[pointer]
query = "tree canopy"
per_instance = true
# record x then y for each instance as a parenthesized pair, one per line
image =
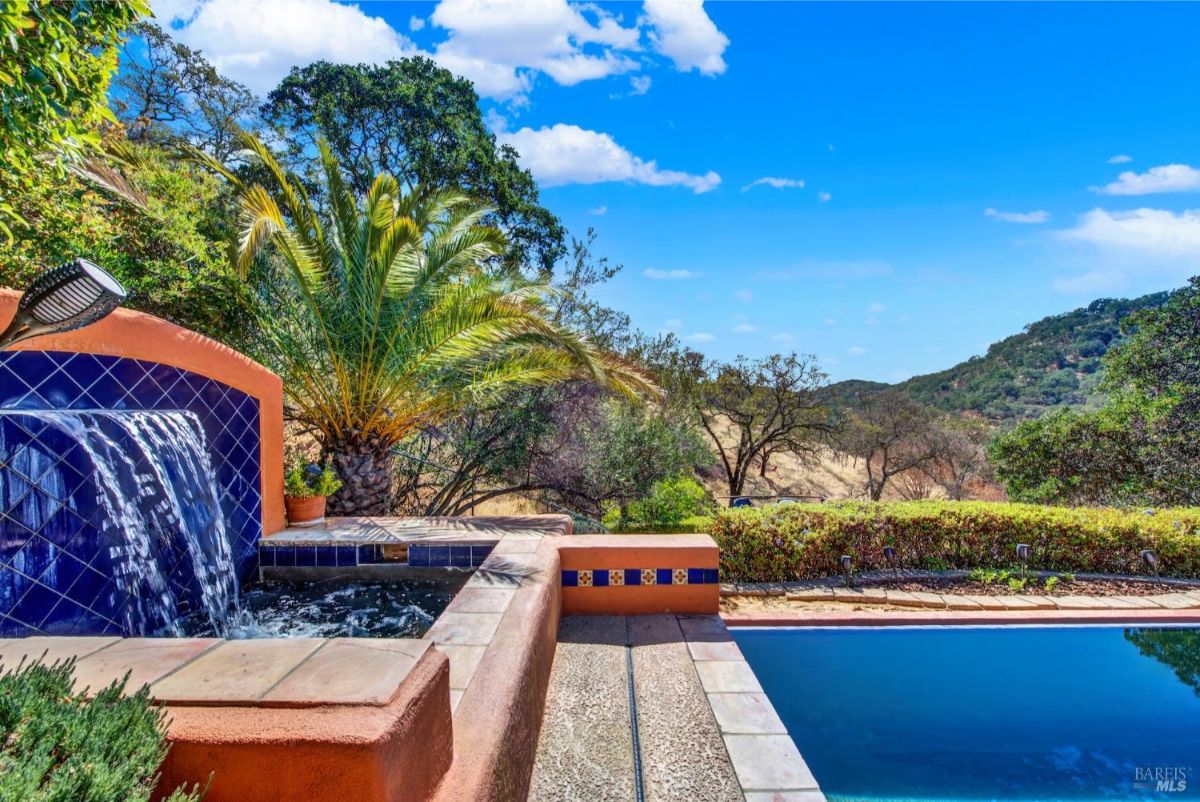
(415, 120)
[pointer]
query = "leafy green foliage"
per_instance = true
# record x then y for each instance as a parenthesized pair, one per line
(56, 60)
(304, 479)
(803, 541)
(1144, 446)
(167, 246)
(1175, 648)
(1053, 363)
(672, 503)
(58, 746)
(391, 319)
(420, 123)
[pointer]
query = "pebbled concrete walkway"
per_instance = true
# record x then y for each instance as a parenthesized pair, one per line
(586, 750)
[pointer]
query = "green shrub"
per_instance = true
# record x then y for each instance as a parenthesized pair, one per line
(58, 746)
(805, 541)
(673, 505)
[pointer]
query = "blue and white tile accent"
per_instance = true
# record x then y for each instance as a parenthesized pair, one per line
(610, 577)
(424, 555)
(60, 580)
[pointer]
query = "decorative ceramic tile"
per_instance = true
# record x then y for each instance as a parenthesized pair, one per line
(623, 577)
(60, 579)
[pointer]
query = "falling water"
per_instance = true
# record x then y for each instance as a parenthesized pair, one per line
(156, 486)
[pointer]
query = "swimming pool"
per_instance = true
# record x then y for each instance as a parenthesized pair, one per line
(1006, 713)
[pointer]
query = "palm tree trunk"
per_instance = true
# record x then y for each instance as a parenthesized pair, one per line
(368, 472)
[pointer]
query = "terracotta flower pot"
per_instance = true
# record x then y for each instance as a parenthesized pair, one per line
(305, 511)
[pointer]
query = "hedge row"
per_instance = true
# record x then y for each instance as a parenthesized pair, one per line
(805, 541)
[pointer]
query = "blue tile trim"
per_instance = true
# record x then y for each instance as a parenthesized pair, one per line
(633, 577)
(48, 579)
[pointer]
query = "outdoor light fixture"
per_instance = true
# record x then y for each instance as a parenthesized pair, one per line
(889, 554)
(1023, 555)
(846, 568)
(1151, 560)
(63, 298)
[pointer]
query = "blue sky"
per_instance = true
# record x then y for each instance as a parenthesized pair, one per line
(940, 174)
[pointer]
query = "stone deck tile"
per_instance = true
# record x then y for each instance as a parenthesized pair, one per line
(1079, 603)
(932, 600)
(708, 628)
(50, 649)
(1038, 602)
(683, 755)
(721, 676)
(769, 762)
(903, 598)
(513, 545)
(364, 671)
(1016, 603)
(746, 714)
(464, 661)
(812, 594)
(475, 629)
(714, 650)
(785, 796)
(584, 750)
(1140, 602)
(987, 602)
(956, 602)
(481, 600)
(236, 671)
(1175, 601)
(146, 660)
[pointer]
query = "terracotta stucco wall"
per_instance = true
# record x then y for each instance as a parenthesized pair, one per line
(134, 335)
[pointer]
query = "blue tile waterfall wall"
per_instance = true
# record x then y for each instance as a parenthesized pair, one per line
(60, 580)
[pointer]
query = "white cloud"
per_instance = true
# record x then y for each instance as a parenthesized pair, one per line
(1120, 158)
(824, 197)
(745, 328)
(1155, 232)
(1039, 216)
(783, 337)
(599, 211)
(669, 275)
(416, 23)
(700, 337)
(776, 183)
(501, 44)
(745, 296)
(639, 84)
(257, 43)
(568, 154)
(683, 32)
(856, 350)
(1126, 244)
(674, 324)
(1164, 178)
(875, 307)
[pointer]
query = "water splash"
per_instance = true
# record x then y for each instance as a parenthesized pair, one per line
(156, 486)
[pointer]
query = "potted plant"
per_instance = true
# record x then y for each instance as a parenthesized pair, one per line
(305, 488)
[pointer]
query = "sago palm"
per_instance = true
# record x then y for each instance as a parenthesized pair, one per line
(389, 313)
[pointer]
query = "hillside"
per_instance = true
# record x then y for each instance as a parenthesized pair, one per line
(1054, 362)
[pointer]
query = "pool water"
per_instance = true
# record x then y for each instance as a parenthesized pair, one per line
(337, 608)
(1008, 713)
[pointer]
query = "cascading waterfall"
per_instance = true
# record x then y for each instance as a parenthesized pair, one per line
(157, 489)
